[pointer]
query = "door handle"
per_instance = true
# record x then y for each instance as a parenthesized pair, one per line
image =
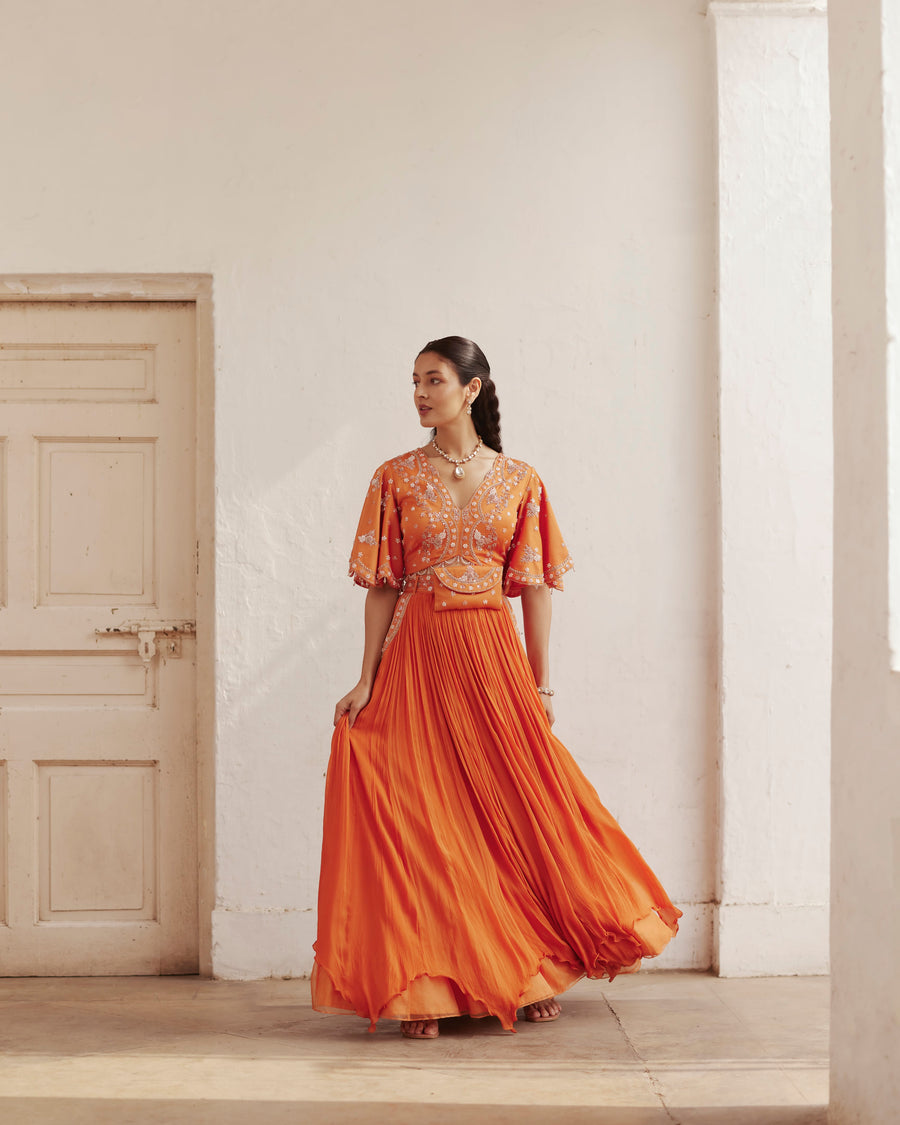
(147, 633)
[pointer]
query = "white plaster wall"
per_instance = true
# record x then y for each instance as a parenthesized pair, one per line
(776, 487)
(359, 178)
(865, 1038)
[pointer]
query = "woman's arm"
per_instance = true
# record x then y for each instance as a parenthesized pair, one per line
(536, 613)
(380, 602)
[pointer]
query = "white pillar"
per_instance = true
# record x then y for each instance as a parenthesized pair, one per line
(775, 487)
(865, 926)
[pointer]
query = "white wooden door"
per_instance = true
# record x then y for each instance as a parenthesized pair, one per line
(98, 850)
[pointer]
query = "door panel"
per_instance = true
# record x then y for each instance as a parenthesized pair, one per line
(75, 679)
(97, 841)
(76, 372)
(97, 723)
(96, 526)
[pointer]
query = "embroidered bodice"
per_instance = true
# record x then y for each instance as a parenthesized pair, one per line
(505, 538)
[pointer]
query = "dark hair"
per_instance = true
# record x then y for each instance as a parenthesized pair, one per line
(469, 361)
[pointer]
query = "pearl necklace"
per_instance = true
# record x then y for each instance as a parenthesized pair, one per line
(458, 472)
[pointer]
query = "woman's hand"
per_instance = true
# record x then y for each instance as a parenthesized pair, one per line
(353, 702)
(536, 614)
(380, 604)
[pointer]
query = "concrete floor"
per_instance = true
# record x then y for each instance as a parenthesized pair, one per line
(651, 1049)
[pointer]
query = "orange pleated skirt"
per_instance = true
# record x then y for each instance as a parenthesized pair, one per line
(468, 866)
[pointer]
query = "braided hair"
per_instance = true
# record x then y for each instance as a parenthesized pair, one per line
(469, 361)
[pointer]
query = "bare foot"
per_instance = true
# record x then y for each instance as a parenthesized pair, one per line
(419, 1029)
(544, 1011)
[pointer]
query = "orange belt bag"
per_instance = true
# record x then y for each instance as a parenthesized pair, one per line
(464, 586)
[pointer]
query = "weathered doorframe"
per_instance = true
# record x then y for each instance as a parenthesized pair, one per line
(195, 289)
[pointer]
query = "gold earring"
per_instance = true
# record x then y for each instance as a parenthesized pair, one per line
(469, 409)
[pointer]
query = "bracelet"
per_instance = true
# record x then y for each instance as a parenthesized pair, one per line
(546, 691)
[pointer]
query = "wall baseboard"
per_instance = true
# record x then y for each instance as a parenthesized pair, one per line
(762, 940)
(254, 945)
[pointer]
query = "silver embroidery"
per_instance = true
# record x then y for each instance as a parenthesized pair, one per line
(484, 540)
(435, 541)
(397, 619)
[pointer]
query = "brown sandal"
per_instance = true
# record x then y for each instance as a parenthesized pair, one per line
(532, 1016)
(407, 1032)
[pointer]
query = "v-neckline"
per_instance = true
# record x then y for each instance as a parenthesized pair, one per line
(447, 491)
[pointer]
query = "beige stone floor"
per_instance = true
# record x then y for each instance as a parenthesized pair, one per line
(653, 1049)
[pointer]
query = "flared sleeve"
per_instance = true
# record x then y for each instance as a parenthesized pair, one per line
(377, 555)
(538, 554)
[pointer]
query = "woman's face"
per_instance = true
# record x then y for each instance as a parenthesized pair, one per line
(438, 394)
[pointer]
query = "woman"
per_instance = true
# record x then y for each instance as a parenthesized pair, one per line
(468, 866)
